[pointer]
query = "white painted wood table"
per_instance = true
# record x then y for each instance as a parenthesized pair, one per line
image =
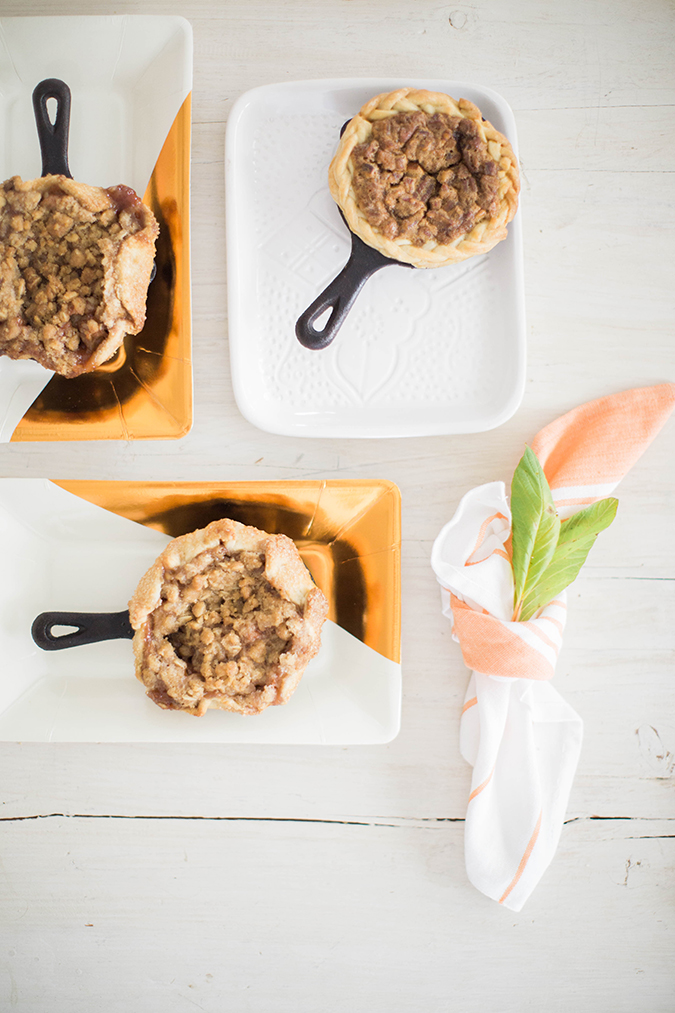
(268, 879)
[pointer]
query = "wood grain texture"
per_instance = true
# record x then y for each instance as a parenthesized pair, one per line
(297, 879)
(285, 916)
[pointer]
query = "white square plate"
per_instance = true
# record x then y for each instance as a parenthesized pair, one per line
(422, 352)
(62, 553)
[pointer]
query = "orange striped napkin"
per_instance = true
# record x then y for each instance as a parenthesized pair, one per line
(517, 732)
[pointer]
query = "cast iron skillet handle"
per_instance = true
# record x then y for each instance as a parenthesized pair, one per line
(339, 296)
(53, 136)
(91, 628)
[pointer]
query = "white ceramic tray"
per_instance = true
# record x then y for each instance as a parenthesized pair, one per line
(423, 352)
(129, 77)
(62, 553)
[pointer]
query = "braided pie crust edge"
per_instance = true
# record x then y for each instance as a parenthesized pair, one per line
(482, 237)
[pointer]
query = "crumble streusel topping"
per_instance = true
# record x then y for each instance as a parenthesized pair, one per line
(425, 177)
(59, 297)
(220, 629)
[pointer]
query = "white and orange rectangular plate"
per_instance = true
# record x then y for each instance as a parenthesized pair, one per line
(130, 79)
(82, 546)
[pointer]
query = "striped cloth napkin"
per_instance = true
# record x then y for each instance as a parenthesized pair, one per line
(517, 732)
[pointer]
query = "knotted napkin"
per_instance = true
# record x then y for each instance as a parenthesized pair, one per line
(517, 732)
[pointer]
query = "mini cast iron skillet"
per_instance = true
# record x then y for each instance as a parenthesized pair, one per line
(340, 294)
(91, 627)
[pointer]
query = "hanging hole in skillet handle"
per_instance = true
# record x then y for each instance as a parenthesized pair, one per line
(53, 134)
(84, 627)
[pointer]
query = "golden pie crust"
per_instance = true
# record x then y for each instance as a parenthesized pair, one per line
(75, 265)
(413, 238)
(227, 617)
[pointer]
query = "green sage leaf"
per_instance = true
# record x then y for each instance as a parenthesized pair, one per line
(535, 526)
(576, 539)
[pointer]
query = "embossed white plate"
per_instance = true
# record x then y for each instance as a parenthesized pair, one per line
(423, 352)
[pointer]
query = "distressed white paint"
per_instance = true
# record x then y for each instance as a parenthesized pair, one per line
(372, 910)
